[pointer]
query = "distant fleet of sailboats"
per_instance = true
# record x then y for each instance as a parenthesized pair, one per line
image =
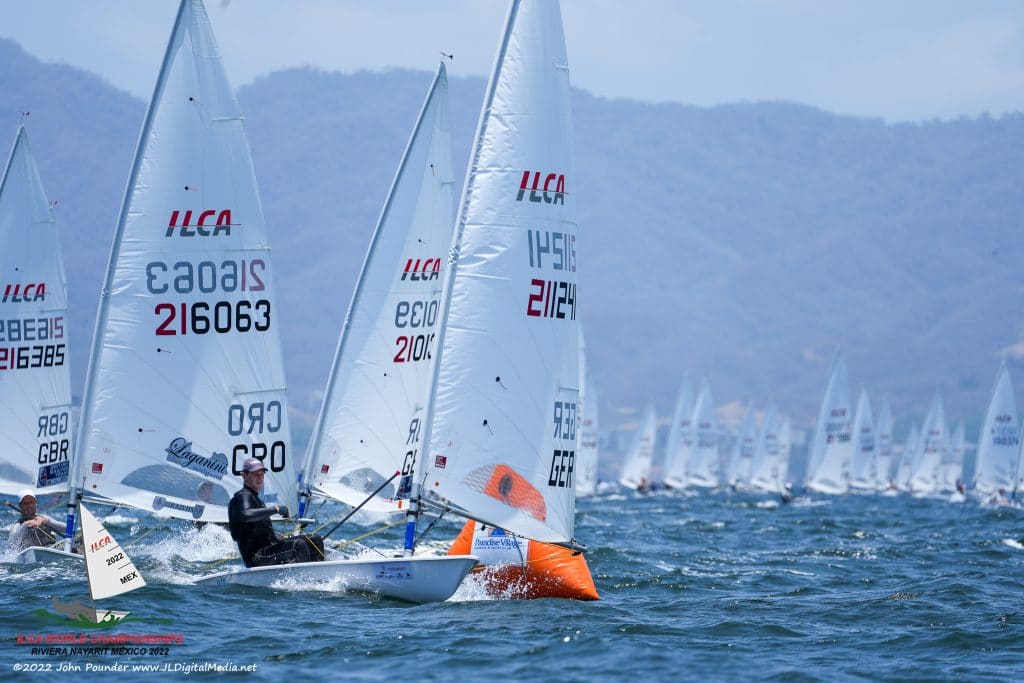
(851, 450)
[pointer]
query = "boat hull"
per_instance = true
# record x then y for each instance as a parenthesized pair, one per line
(45, 555)
(413, 579)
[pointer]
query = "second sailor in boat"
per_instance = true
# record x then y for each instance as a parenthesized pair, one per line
(249, 520)
(33, 529)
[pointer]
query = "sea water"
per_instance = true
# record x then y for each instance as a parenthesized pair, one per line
(694, 586)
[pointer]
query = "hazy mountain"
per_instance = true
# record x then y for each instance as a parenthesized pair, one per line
(744, 242)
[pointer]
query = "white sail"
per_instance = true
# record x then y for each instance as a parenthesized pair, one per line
(636, 468)
(679, 445)
(999, 440)
(372, 419)
(185, 379)
(764, 472)
(111, 572)
(35, 387)
(829, 462)
(934, 440)
(862, 474)
(502, 435)
(586, 434)
(784, 446)
(949, 475)
(704, 465)
(905, 467)
(882, 463)
(743, 452)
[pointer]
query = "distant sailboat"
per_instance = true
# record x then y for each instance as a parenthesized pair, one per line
(743, 452)
(829, 461)
(766, 473)
(705, 470)
(934, 442)
(908, 455)
(636, 468)
(950, 475)
(999, 441)
(862, 473)
(679, 445)
(587, 433)
(881, 468)
(35, 386)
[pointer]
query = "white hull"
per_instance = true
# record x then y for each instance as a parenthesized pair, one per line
(39, 554)
(415, 579)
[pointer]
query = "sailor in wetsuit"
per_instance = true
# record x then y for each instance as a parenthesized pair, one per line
(33, 529)
(249, 520)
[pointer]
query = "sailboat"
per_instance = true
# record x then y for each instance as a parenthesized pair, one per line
(862, 475)
(934, 442)
(636, 468)
(35, 385)
(679, 445)
(905, 467)
(109, 570)
(765, 473)
(829, 461)
(950, 474)
(186, 377)
(587, 432)
(704, 465)
(999, 442)
(882, 463)
(742, 456)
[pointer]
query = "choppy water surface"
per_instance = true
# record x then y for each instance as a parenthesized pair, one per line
(709, 586)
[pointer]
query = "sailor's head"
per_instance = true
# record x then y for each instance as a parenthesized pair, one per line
(27, 502)
(252, 473)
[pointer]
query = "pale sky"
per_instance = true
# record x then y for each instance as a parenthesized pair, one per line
(901, 60)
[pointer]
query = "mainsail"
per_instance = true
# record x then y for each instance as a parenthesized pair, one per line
(502, 434)
(832, 448)
(185, 378)
(999, 441)
(372, 419)
(35, 387)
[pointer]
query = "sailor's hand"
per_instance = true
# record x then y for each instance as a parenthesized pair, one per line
(282, 510)
(35, 522)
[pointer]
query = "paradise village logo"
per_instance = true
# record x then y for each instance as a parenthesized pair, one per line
(180, 452)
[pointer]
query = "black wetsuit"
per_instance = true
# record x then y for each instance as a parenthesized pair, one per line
(249, 520)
